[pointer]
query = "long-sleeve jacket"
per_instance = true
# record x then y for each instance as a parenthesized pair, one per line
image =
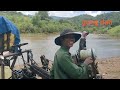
(64, 68)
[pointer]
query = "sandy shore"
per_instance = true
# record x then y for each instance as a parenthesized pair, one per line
(109, 67)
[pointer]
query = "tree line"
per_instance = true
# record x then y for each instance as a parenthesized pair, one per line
(41, 22)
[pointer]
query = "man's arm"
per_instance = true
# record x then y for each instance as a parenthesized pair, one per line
(82, 44)
(71, 69)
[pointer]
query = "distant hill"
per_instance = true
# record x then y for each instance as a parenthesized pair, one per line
(42, 22)
(6, 13)
(113, 16)
(78, 19)
(58, 18)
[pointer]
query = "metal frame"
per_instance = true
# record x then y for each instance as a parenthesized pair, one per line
(34, 67)
(14, 58)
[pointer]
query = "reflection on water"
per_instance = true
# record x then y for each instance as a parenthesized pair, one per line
(40, 45)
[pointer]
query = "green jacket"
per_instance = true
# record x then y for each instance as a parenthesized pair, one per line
(64, 68)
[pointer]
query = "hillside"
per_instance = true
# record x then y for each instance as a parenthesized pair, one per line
(114, 16)
(42, 23)
(57, 18)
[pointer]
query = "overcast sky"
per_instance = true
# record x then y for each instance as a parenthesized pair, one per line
(68, 13)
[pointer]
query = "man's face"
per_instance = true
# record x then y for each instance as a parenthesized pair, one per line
(84, 34)
(68, 40)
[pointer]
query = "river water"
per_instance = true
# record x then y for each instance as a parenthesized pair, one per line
(44, 45)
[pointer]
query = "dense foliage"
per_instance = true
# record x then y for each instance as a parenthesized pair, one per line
(41, 22)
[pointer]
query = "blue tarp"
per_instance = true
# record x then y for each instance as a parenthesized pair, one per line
(7, 26)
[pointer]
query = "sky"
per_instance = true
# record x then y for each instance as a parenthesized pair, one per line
(68, 13)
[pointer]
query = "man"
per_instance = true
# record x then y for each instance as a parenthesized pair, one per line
(82, 43)
(63, 66)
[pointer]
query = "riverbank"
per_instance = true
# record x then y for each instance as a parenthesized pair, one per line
(109, 67)
(44, 35)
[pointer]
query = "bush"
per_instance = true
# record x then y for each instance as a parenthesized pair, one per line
(115, 31)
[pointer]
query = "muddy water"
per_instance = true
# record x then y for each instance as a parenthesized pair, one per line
(44, 45)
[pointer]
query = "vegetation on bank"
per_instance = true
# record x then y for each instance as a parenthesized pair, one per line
(41, 22)
(115, 31)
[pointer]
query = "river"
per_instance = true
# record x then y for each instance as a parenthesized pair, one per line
(44, 45)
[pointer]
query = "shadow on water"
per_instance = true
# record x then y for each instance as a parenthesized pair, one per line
(44, 44)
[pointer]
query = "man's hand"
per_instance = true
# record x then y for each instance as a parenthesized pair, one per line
(88, 61)
(84, 48)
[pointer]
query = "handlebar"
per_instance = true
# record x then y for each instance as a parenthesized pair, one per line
(19, 45)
